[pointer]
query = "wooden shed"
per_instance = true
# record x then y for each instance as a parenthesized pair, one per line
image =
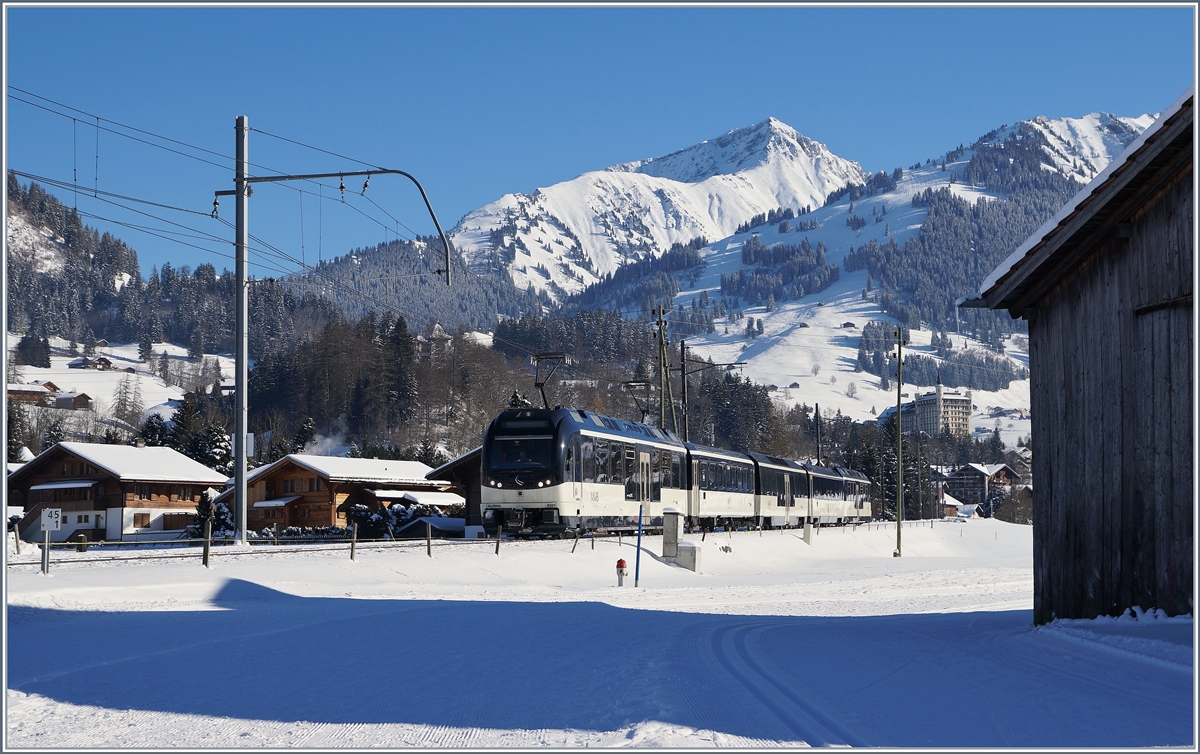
(1106, 286)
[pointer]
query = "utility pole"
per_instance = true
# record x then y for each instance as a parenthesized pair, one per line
(664, 378)
(242, 191)
(817, 416)
(683, 375)
(241, 368)
(899, 436)
(683, 379)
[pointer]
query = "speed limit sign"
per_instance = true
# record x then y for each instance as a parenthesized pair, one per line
(51, 519)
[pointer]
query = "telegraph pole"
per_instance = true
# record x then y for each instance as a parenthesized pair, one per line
(241, 369)
(242, 190)
(683, 379)
(664, 378)
(899, 436)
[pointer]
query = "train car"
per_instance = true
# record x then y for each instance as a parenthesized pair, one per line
(858, 495)
(782, 492)
(546, 471)
(720, 487)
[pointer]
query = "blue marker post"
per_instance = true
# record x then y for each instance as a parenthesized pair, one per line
(637, 561)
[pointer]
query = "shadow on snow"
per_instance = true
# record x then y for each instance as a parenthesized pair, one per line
(959, 679)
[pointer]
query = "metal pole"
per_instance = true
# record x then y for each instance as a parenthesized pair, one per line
(683, 379)
(637, 559)
(899, 436)
(207, 540)
(353, 538)
(241, 370)
(817, 415)
(46, 552)
(428, 540)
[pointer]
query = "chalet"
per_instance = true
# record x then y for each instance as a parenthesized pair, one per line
(50, 386)
(102, 343)
(465, 475)
(975, 482)
(112, 492)
(29, 394)
(1106, 287)
(101, 362)
(73, 401)
(849, 325)
(309, 490)
(80, 362)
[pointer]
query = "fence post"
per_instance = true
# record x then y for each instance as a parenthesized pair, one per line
(82, 546)
(275, 533)
(353, 538)
(428, 539)
(499, 528)
(17, 536)
(576, 542)
(207, 540)
(46, 553)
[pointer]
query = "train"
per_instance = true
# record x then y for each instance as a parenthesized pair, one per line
(553, 472)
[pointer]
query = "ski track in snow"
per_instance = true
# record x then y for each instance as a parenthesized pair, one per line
(775, 643)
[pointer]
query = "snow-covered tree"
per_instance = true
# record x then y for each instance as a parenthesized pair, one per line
(155, 432)
(211, 446)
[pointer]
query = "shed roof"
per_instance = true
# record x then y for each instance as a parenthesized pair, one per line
(1063, 240)
(127, 463)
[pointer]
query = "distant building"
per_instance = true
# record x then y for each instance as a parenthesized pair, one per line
(73, 401)
(978, 483)
(944, 410)
(1106, 287)
(29, 394)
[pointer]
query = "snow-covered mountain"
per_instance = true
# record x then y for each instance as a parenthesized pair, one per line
(1079, 147)
(562, 238)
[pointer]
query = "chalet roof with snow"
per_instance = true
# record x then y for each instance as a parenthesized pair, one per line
(366, 470)
(1053, 249)
(129, 464)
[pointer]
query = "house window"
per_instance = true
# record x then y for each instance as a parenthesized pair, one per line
(304, 513)
(141, 520)
(289, 485)
(141, 492)
(185, 493)
(314, 483)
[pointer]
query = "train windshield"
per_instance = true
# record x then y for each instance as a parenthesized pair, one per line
(515, 453)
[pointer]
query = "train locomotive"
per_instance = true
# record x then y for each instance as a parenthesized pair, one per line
(546, 472)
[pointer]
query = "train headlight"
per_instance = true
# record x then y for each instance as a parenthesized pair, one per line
(541, 484)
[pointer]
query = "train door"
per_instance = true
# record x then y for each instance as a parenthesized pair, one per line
(575, 469)
(644, 481)
(787, 498)
(693, 482)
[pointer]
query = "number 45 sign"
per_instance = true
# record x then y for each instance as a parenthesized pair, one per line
(51, 519)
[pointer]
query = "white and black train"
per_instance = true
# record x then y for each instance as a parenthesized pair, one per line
(547, 471)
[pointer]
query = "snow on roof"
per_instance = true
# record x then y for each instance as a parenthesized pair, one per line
(421, 497)
(143, 464)
(65, 485)
(278, 502)
(14, 466)
(340, 469)
(1048, 227)
(27, 388)
(949, 499)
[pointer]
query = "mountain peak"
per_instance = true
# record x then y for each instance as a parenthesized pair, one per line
(734, 151)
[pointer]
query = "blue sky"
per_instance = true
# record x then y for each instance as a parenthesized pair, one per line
(481, 102)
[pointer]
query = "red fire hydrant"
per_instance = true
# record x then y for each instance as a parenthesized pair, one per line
(621, 573)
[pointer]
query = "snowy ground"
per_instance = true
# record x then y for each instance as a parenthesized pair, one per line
(776, 642)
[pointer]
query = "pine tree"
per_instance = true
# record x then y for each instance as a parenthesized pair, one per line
(305, 435)
(145, 346)
(154, 432)
(54, 434)
(211, 446)
(18, 426)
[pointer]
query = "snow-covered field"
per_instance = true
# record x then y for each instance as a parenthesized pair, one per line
(775, 642)
(100, 385)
